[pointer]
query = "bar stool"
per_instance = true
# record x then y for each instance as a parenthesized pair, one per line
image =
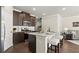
(60, 37)
(54, 42)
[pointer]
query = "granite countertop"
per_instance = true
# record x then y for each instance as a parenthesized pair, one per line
(41, 34)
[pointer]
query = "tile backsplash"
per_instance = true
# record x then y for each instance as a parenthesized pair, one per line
(19, 28)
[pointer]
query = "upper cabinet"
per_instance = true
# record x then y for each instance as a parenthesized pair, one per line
(15, 18)
(33, 20)
(23, 19)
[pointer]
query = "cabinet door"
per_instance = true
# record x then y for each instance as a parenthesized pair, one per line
(33, 20)
(27, 17)
(15, 18)
(23, 17)
(32, 42)
(18, 37)
(20, 21)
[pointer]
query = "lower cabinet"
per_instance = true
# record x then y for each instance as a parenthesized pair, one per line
(32, 43)
(18, 37)
(25, 36)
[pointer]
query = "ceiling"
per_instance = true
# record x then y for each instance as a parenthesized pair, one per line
(50, 10)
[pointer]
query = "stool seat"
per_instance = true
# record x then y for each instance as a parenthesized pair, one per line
(61, 37)
(54, 41)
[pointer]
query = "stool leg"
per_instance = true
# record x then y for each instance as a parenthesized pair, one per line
(51, 47)
(48, 47)
(55, 49)
(58, 47)
(61, 43)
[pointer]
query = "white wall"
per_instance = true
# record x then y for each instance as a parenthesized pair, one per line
(67, 22)
(7, 16)
(49, 22)
(53, 22)
(57, 23)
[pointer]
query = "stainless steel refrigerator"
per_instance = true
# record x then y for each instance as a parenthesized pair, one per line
(2, 32)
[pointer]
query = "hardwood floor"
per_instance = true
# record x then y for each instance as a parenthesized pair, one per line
(67, 47)
(19, 48)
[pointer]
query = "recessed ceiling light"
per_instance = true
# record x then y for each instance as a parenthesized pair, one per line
(63, 9)
(34, 9)
(44, 13)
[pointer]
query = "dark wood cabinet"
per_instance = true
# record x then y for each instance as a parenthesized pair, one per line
(23, 17)
(15, 18)
(25, 36)
(33, 20)
(32, 43)
(20, 20)
(18, 37)
(27, 17)
(20, 17)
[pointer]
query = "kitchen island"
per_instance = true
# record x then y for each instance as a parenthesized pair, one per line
(41, 41)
